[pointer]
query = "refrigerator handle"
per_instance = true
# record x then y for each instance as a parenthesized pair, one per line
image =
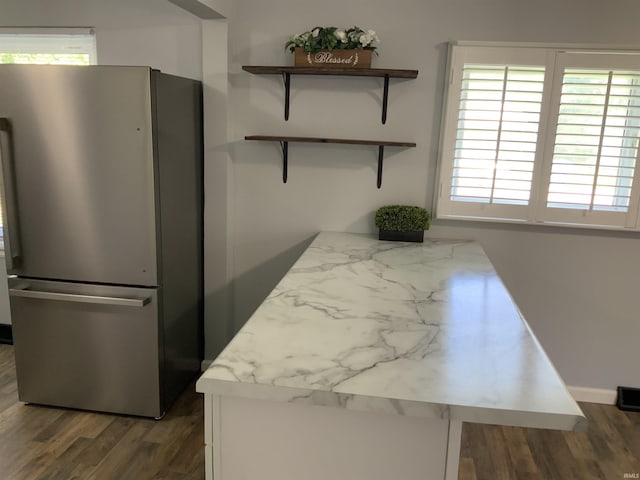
(11, 230)
(22, 291)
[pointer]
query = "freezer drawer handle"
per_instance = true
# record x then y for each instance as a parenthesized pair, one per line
(8, 193)
(71, 297)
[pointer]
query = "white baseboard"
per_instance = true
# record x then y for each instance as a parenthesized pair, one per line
(594, 395)
(205, 364)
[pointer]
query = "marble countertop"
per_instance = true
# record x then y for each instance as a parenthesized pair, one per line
(426, 330)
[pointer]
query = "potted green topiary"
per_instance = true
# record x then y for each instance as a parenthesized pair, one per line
(402, 223)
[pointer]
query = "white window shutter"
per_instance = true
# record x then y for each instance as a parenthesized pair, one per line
(497, 132)
(592, 177)
(491, 133)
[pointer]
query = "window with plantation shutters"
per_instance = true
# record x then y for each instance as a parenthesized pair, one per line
(59, 46)
(543, 135)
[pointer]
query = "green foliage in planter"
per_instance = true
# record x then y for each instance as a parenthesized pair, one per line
(333, 38)
(402, 218)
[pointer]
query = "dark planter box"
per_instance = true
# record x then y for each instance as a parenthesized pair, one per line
(401, 236)
(629, 399)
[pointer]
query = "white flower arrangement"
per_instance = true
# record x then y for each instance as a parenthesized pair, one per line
(332, 38)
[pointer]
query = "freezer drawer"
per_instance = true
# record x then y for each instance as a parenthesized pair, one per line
(87, 346)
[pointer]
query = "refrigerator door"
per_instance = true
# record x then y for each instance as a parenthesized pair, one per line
(86, 346)
(78, 173)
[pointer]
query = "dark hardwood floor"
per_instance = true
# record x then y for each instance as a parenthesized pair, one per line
(38, 443)
(607, 451)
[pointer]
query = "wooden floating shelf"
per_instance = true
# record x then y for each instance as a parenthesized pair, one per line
(271, 138)
(284, 143)
(354, 72)
(286, 73)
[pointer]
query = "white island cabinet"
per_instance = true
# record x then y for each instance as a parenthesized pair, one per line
(365, 360)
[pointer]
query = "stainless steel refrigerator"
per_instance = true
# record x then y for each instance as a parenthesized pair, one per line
(102, 200)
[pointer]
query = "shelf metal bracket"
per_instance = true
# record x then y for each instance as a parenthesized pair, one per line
(286, 78)
(385, 98)
(286, 73)
(284, 145)
(285, 160)
(380, 158)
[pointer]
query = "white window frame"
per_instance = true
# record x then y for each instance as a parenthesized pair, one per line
(50, 40)
(554, 58)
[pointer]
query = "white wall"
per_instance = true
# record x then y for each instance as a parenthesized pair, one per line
(218, 256)
(576, 288)
(208, 9)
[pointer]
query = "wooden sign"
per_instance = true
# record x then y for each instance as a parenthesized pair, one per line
(333, 58)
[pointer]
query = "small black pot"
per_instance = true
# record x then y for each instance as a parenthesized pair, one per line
(417, 236)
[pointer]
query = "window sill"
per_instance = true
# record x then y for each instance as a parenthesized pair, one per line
(555, 225)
